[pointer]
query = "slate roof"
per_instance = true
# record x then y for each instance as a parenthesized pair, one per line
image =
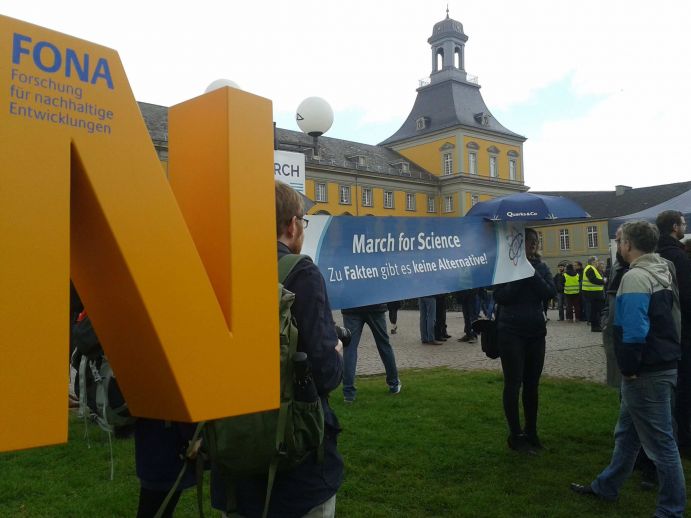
(340, 153)
(156, 119)
(607, 205)
(333, 152)
(447, 104)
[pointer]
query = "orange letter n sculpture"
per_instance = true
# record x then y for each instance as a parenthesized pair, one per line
(185, 307)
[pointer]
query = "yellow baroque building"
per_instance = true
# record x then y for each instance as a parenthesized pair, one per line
(449, 154)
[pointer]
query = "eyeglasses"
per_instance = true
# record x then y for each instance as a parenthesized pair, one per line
(305, 221)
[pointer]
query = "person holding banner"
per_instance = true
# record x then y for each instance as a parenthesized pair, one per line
(521, 331)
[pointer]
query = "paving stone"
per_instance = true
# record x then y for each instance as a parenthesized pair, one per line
(573, 351)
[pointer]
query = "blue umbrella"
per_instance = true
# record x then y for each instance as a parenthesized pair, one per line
(526, 206)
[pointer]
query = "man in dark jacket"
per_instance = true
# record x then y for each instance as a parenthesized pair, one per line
(647, 330)
(672, 225)
(354, 319)
(310, 487)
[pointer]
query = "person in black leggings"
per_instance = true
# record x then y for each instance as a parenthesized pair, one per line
(521, 331)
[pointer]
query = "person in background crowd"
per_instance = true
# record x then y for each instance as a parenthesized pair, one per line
(583, 314)
(428, 312)
(618, 270)
(440, 334)
(603, 271)
(487, 302)
(355, 319)
(559, 281)
(687, 244)
(521, 331)
(393, 308)
(672, 226)
(468, 299)
(592, 287)
(572, 293)
(647, 330)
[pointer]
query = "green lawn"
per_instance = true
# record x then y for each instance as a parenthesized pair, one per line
(437, 449)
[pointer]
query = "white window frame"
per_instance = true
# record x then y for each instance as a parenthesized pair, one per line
(448, 203)
(472, 162)
(431, 204)
(366, 196)
(388, 200)
(321, 193)
(410, 201)
(344, 195)
(512, 169)
(474, 199)
(493, 171)
(593, 238)
(447, 161)
(564, 239)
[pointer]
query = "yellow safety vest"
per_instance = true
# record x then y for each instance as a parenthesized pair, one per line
(571, 286)
(589, 286)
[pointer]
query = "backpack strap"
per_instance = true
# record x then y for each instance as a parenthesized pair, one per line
(286, 265)
(185, 463)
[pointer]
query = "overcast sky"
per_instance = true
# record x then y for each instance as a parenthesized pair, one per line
(600, 88)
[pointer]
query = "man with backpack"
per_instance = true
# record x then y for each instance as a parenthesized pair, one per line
(309, 489)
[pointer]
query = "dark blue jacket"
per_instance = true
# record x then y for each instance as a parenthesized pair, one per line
(297, 491)
(673, 250)
(157, 448)
(521, 309)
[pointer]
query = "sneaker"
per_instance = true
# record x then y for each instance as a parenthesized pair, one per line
(464, 338)
(396, 389)
(433, 342)
(394, 329)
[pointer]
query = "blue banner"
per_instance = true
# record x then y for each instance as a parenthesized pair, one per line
(368, 260)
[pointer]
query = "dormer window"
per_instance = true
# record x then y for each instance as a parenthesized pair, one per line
(357, 160)
(402, 166)
(482, 118)
(422, 123)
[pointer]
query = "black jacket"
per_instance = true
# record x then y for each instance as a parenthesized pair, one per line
(673, 250)
(297, 491)
(521, 302)
(559, 282)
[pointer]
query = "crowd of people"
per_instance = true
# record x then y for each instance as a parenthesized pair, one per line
(641, 303)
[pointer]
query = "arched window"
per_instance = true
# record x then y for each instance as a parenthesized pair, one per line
(439, 61)
(458, 58)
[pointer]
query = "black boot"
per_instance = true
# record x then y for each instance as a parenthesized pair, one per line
(520, 444)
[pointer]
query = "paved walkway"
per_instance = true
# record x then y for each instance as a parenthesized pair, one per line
(573, 351)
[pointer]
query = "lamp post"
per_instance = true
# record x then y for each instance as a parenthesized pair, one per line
(314, 117)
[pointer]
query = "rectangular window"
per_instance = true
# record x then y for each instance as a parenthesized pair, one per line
(564, 242)
(388, 199)
(474, 199)
(540, 242)
(472, 163)
(409, 201)
(448, 164)
(431, 205)
(493, 167)
(592, 237)
(366, 196)
(448, 203)
(512, 169)
(344, 194)
(320, 192)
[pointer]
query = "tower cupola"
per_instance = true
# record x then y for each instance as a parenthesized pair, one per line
(448, 47)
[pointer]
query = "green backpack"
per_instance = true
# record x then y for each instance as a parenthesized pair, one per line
(271, 441)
